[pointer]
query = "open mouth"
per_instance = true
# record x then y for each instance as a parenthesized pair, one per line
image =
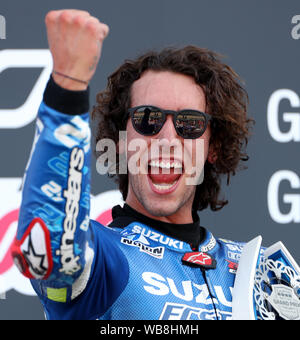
(164, 175)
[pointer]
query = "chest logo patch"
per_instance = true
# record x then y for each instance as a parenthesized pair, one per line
(157, 252)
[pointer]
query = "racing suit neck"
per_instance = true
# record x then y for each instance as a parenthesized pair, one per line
(191, 233)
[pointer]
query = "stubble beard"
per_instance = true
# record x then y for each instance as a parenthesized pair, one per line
(164, 206)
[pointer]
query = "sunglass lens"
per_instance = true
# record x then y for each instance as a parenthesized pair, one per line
(190, 124)
(148, 120)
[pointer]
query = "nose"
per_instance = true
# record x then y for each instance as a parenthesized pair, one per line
(168, 130)
(169, 144)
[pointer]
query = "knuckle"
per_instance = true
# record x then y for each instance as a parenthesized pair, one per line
(66, 17)
(97, 29)
(50, 17)
(105, 30)
(79, 20)
(92, 25)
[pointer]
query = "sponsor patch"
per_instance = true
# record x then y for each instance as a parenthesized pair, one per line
(157, 237)
(200, 259)
(57, 294)
(157, 252)
(233, 256)
(210, 245)
(32, 254)
(233, 266)
(69, 262)
(178, 311)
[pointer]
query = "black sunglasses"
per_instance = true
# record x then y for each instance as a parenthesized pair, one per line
(148, 121)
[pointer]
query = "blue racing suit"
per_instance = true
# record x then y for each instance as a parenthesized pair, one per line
(81, 269)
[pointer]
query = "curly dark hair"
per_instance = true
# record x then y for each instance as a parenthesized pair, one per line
(226, 101)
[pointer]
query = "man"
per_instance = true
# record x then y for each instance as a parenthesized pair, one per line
(154, 261)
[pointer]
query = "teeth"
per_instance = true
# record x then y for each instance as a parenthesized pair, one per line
(163, 186)
(166, 164)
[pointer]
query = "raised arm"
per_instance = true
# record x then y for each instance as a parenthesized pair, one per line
(53, 241)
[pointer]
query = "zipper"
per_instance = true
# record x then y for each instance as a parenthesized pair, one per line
(212, 297)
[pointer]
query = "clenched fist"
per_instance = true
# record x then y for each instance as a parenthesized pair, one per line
(75, 40)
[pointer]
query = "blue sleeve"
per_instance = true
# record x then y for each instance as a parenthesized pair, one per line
(56, 245)
(103, 282)
(55, 200)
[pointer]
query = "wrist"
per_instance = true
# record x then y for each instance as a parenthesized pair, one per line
(73, 102)
(68, 83)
